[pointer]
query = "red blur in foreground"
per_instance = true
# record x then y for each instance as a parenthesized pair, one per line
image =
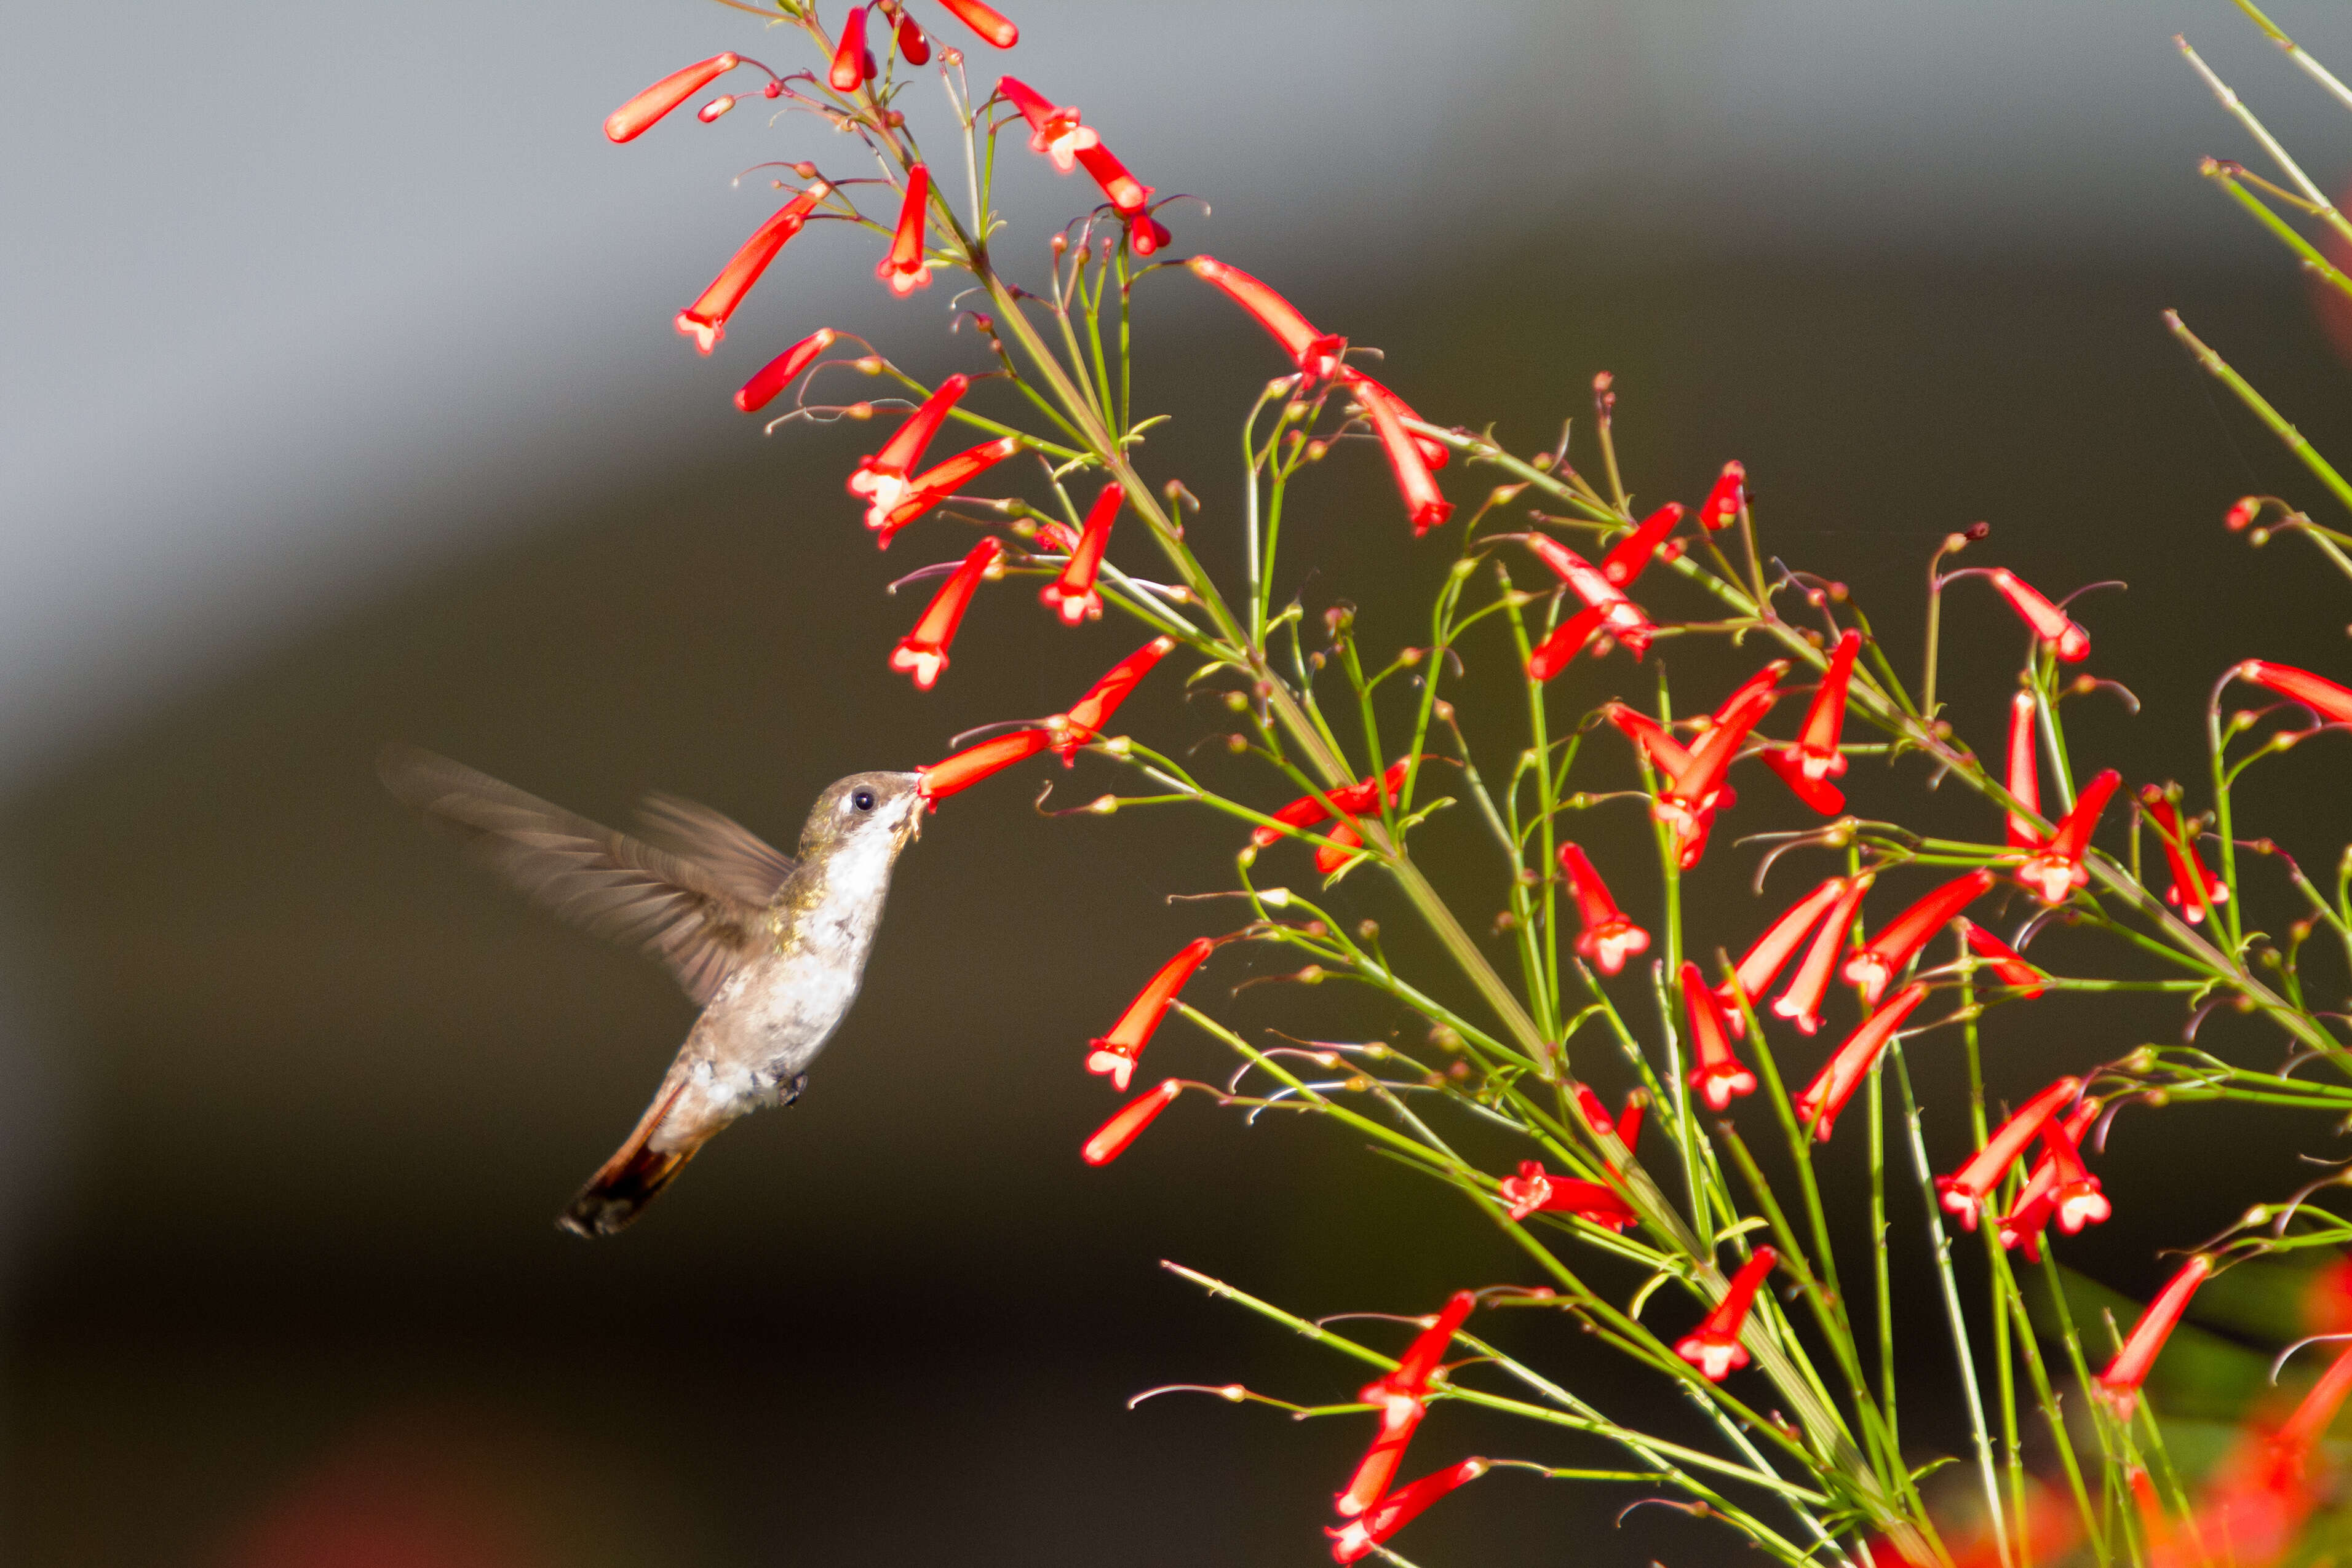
(1116, 1052)
(1112, 1138)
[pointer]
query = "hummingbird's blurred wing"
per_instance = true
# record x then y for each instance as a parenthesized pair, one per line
(693, 917)
(752, 869)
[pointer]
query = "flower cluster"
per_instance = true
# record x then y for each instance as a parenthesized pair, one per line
(1498, 1027)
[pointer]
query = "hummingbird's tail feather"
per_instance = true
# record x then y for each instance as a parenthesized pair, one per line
(617, 1193)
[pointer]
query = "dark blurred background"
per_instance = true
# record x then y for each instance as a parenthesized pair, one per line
(342, 405)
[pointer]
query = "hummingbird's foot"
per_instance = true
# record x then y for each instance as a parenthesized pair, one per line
(793, 1089)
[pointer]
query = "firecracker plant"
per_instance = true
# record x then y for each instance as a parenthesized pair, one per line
(1703, 1187)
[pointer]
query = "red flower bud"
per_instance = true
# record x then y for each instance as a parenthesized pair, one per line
(781, 371)
(984, 20)
(2325, 697)
(634, 117)
(1626, 558)
(2118, 1386)
(2006, 962)
(1111, 1139)
(1721, 508)
(853, 62)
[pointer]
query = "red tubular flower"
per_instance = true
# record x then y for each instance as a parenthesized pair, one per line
(1400, 1396)
(2004, 960)
(2325, 697)
(634, 117)
(2052, 624)
(2075, 1196)
(907, 267)
(1562, 644)
(2056, 870)
(853, 62)
(2193, 887)
(1716, 1074)
(1423, 502)
(1116, 1052)
(1761, 965)
(2327, 1299)
(883, 478)
(1317, 354)
(1111, 1139)
(1536, 1189)
(1714, 1346)
(705, 320)
(923, 653)
(718, 106)
(1384, 1519)
(1596, 1115)
(1819, 1102)
(984, 20)
(1433, 452)
(2300, 1431)
(1964, 1191)
(1816, 753)
(1900, 940)
(781, 371)
(1072, 595)
(1147, 236)
(1054, 130)
(1618, 615)
(974, 763)
(1629, 1120)
(1083, 723)
(1818, 793)
(1345, 842)
(2024, 776)
(1665, 754)
(1721, 507)
(1626, 558)
(2118, 1386)
(928, 489)
(1801, 1004)
(913, 47)
(1689, 802)
(1127, 192)
(1608, 936)
(2030, 1214)
(1367, 795)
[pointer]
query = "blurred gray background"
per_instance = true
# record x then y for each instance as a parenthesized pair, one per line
(341, 404)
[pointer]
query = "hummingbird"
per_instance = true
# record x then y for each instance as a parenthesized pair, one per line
(772, 949)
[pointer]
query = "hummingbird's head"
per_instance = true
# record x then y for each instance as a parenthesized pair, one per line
(864, 810)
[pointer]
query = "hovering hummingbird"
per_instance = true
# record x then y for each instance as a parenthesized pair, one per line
(771, 949)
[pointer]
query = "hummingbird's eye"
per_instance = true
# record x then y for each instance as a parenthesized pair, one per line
(863, 799)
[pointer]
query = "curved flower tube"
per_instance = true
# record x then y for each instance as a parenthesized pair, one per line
(1819, 1102)
(1082, 724)
(705, 320)
(1116, 1052)
(923, 652)
(1112, 1138)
